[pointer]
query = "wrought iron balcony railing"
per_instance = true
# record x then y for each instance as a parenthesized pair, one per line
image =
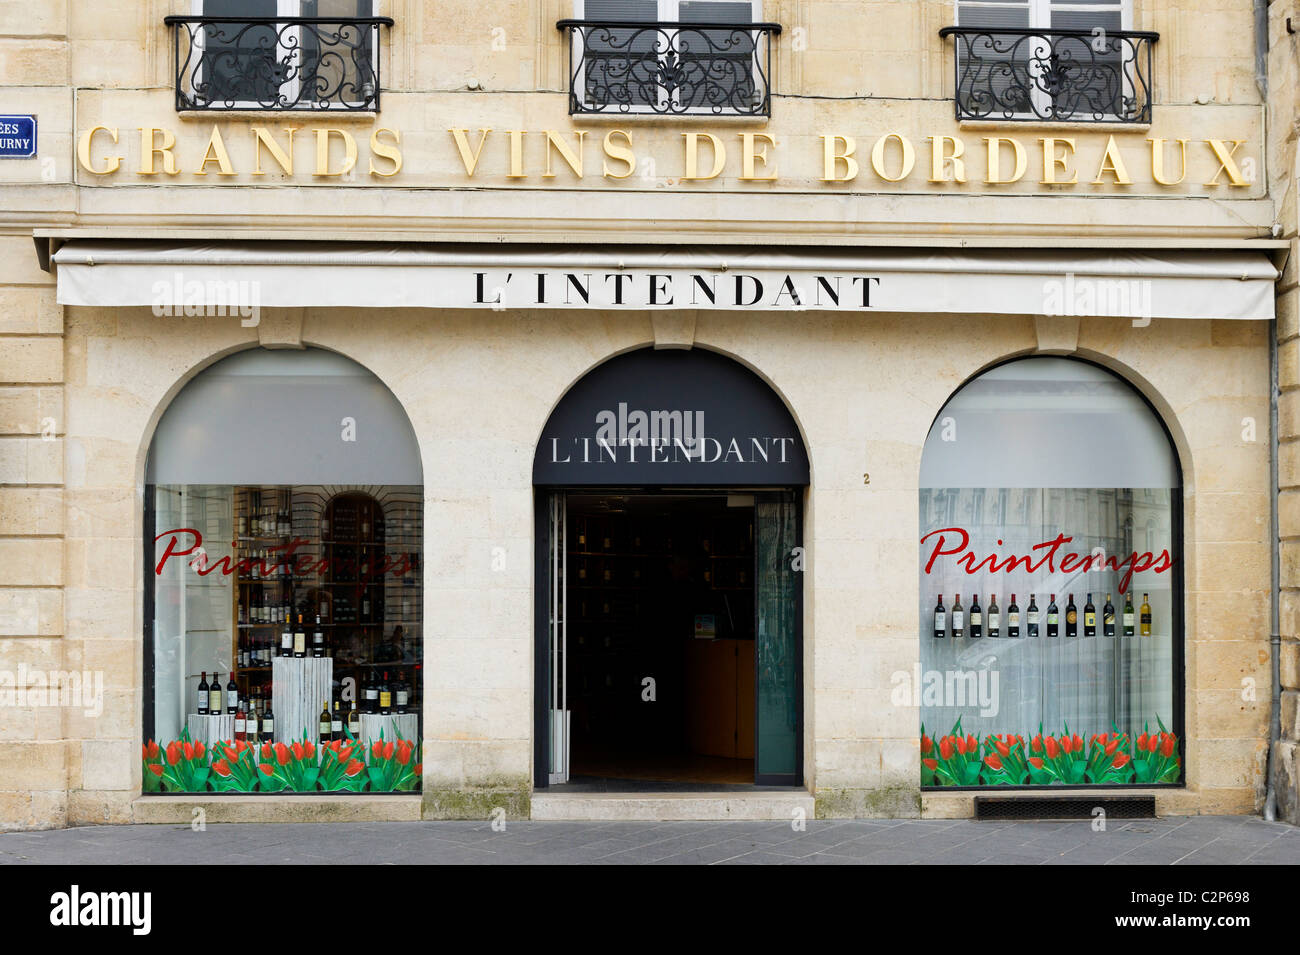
(276, 63)
(674, 69)
(1057, 76)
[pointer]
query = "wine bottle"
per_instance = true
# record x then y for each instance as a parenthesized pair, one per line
(1089, 618)
(940, 620)
(1071, 618)
(365, 606)
(325, 735)
(203, 694)
(372, 694)
(300, 640)
(1013, 618)
(1053, 618)
(1031, 615)
(268, 724)
(318, 640)
(958, 618)
(401, 694)
(336, 720)
(995, 617)
(1108, 618)
(354, 722)
(214, 696)
(286, 638)
(385, 697)
(232, 696)
(976, 618)
(1145, 619)
(1128, 615)
(241, 720)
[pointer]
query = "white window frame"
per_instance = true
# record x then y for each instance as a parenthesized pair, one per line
(1040, 19)
(286, 9)
(669, 11)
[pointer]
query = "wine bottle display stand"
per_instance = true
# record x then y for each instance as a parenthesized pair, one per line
(396, 725)
(210, 729)
(299, 686)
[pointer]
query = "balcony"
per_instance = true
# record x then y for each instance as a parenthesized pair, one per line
(1071, 76)
(670, 69)
(274, 63)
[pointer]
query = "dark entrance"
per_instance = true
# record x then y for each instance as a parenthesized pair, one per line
(669, 570)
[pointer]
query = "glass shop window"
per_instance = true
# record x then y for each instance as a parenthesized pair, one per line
(1050, 583)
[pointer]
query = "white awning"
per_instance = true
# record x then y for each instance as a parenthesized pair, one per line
(197, 278)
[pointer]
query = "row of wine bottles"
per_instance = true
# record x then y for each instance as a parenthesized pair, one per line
(1130, 622)
(383, 696)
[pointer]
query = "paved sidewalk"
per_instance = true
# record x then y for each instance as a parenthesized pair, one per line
(1190, 840)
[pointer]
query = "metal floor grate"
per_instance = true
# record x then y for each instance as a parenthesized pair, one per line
(1062, 808)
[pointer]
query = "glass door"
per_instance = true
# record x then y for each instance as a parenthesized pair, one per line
(778, 630)
(557, 616)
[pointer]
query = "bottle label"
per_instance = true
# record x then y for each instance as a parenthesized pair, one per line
(940, 622)
(1033, 618)
(1071, 617)
(1128, 620)
(239, 725)
(299, 642)
(354, 725)
(1108, 619)
(268, 726)
(995, 621)
(976, 618)
(1013, 620)
(385, 700)
(401, 697)
(336, 726)
(324, 729)
(214, 701)
(1053, 619)
(1146, 619)
(958, 620)
(1090, 620)
(203, 699)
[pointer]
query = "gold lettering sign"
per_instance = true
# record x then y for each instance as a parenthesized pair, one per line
(551, 154)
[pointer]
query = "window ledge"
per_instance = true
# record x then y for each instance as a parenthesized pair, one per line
(178, 808)
(669, 119)
(334, 115)
(1071, 125)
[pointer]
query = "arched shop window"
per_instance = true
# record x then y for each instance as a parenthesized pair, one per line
(285, 501)
(1051, 630)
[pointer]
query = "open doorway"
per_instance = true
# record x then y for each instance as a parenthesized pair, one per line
(661, 619)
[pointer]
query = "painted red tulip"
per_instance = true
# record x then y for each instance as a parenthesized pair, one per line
(1121, 760)
(1036, 762)
(1167, 746)
(927, 744)
(1052, 748)
(1066, 745)
(188, 750)
(403, 754)
(344, 754)
(198, 750)
(354, 768)
(266, 752)
(972, 744)
(945, 747)
(418, 768)
(388, 750)
(1111, 747)
(1142, 741)
(282, 754)
(296, 749)
(1002, 748)
(232, 754)
(931, 764)
(377, 750)
(1036, 744)
(151, 750)
(174, 753)
(266, 768)
(993, 761)
(221, 768)
(156, 769)
(1078, 744)
(309, 749)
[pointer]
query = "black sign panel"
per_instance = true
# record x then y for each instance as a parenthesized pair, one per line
(669, 418)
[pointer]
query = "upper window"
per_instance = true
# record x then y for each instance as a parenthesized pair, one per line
(1050, 570)
(1076, 60)
(278, 54)
(670, 57)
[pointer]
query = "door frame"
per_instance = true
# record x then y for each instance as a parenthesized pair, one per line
(542, 676)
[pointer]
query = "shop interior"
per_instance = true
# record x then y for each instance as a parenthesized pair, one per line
(660, 640)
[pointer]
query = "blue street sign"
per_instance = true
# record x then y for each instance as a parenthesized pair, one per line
(17, 137)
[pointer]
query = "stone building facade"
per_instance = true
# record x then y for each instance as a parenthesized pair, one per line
(857, 167)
